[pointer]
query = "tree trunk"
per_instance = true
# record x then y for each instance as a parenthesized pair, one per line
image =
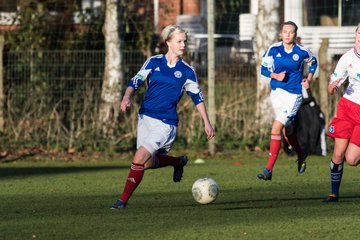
(323, 77)
(113, 76)
(267, 28)
(2, 98)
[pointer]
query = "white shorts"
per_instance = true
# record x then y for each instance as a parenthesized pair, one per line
(155, 135)
(285, 105)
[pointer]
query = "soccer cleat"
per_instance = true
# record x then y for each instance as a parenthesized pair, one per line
(301, 161)
(265, 175)
(118, 205)
(179, 170)
(331, 198)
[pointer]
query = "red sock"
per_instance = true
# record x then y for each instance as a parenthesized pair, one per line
(165, 160)
(295, 144)
(134, 178)
(275, 144)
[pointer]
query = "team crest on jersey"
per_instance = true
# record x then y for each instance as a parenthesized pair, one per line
(178, 74)
(295, 57)
(331, 129)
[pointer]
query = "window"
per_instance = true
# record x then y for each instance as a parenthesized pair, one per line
(8, 6)
(326, 12)
(56, 6)
(227, 15)
(350, 12)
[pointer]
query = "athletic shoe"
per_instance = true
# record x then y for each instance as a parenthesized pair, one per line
(179, 170)
(265, 175)
(118, 205)
(301, 161)
(331, 198)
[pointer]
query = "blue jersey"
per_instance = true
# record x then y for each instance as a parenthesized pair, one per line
(166, 85)
(277, 59)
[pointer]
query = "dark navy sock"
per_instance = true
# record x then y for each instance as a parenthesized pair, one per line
(336, 172)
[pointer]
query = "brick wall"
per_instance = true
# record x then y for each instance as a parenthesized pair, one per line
(191, 7)
(170, 9)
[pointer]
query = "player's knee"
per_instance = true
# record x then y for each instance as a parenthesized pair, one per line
(148, 165)
(338, 157)
(352, 160)
(352, 163)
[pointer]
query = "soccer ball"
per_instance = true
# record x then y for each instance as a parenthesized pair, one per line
(205, 190)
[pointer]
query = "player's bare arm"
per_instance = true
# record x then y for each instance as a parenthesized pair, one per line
(126, 100)
(209, 130)
(306, 81)
(333, 86)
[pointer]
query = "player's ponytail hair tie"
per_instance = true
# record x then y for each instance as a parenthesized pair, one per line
(169, 30)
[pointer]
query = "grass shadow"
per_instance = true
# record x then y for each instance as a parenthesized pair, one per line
(9, 172)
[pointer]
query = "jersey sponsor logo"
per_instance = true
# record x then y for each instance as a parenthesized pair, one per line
(140, 76)
(295, 57)
(278, 55)
(331, 129)
(178, 74)
(157, 69)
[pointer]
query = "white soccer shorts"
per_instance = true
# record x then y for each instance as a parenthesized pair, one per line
(155, 135)
(285, 105)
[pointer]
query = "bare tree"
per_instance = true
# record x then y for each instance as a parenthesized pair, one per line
(324, 72)
(2, 98)
(113, 77)
(266, 34)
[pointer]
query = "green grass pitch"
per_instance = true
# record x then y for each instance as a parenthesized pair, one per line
(58, 200)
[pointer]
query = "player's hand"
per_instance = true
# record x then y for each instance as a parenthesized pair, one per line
(333, 87)
(125, 103)
(280, 76)
(305, 83)
(210, 132)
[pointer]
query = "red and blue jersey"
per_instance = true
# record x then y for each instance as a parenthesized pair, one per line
(277, 59)
(166, 85)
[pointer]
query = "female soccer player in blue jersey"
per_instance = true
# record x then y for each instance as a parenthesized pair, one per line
(283, 62)
(168, 77)
(345, 126)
